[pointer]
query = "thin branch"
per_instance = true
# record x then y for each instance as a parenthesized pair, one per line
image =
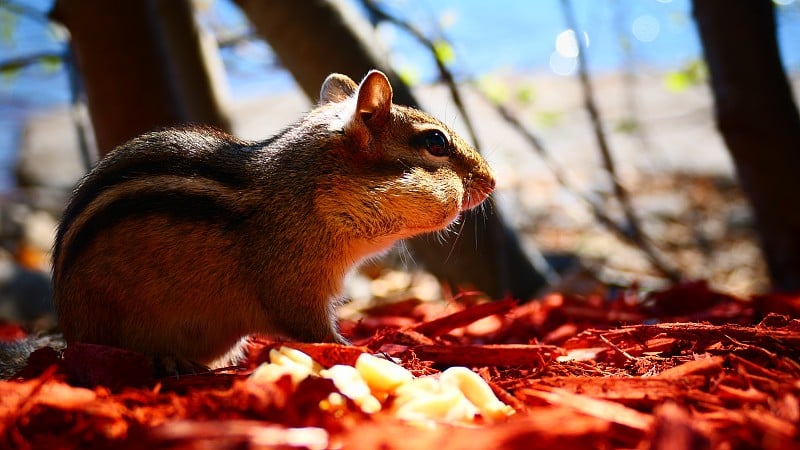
(629, 77)
(635, 238)
(637, 233)
(66, 58)
(28, 60)
(24, 11)
(88, 153)
(558, 173)
(444, 72)
(233, 39)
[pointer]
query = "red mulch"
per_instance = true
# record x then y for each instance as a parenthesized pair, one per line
(682, 369)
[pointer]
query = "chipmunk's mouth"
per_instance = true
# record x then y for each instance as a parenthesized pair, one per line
(476, 192)
(472, 199)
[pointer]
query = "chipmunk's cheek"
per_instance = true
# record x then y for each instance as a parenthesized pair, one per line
(427, 201)
(449, 197)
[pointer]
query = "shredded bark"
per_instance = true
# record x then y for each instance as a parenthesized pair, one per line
(683, 369)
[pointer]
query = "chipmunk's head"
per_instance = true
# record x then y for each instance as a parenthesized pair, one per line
(399, 172)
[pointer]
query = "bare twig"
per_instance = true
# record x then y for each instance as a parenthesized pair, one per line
(22, 62)
(637, 233)
(444, 72)
(88, 153)
(629, 78)
(595, 205)
(227, 40)
(24, 11)
(619, 350)
(632, 234)
(65, 57)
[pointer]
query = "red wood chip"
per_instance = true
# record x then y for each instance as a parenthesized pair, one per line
(685, 368)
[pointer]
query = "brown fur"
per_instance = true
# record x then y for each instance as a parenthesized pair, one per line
(181, 242)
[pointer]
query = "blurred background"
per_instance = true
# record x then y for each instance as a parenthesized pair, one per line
(597, 115)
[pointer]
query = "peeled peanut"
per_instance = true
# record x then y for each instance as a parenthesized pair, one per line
(457, 395)
(273, 372)
(286, 361)
(477, 391)
(286, 355)
(427, 397)
(334, 401)
(380, 374)
(369, 404)
(416, 388)
(350, 383)
(446, 404)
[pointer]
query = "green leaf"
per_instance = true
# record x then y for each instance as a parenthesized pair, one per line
(627, 125)
(496, 91)
(625, 43)
(409, 75)
(691, 74)
(8, 21)
(444, 52)
(526, 94)
(677, 81)
(50, 63)
(678, 18)
(10, 71)
(549, 119)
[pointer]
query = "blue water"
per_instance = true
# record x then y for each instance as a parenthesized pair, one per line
(501, 35)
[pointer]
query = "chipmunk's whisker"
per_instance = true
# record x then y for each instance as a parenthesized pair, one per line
(405, 255)
(458, 236)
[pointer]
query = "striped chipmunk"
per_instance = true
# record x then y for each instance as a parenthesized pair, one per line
(182, 242)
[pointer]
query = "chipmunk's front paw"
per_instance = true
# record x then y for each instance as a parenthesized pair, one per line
(172, 366)
(338, 339)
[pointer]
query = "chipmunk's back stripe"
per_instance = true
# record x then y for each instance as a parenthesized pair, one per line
(209, 160)
(185, 206)
(209, 166)
(187, 198)
(198, 153)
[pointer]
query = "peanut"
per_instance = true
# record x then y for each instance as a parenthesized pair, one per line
(284, 355)
(350, 383)
(286, 361)
(477, 391)
(270, 373)
(456, 395)
(447, 404)
(380, 374)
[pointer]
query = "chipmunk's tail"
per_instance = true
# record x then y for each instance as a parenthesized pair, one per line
(14, 354)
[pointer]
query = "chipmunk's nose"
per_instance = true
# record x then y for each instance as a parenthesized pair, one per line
(477, 190)
(491, 184)
(484, 182)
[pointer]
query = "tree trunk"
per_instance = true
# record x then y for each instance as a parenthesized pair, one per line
(119, 50)
(194, 57)
(130, 78)
(759, 121)
(330, 37)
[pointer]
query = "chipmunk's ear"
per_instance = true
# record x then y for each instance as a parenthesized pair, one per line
(374, 99)
(336, 88)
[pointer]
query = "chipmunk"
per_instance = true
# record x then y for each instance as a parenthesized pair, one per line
(182, 242)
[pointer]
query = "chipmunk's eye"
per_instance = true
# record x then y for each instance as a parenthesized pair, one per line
(436, 143)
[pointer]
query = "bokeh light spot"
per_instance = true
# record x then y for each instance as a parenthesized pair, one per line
(646, 28)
